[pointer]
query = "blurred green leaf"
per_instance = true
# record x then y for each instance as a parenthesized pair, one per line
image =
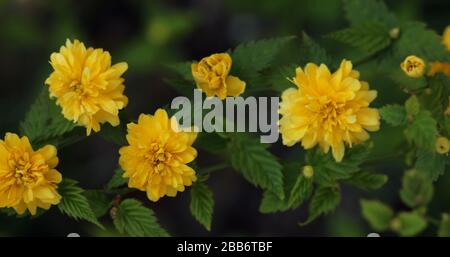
(411, 223)
(412, 106)
(444, 226)
(431, 163)
(417, 189)
(361, 11)
(393, 114)
(368, 180)
(378, 214)
(423, 131)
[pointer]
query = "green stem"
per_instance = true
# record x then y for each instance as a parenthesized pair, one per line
(213, 168)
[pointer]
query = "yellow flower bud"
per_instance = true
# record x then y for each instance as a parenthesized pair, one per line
(442, 145)
(394, 33)
(446, 37)
(211, 75)
(308, 171)
(413, 66)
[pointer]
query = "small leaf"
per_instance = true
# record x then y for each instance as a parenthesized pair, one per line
(256, 163)
(417, 189)
(423, 130)
(431, 163)
(411, 223)
(324, 201)
(74, 203)
(99, 201)
(412, 106)
(117, 180)
(202, 204)
(134, 219)
(301, 191)
(444, 226)
(368, 180)
(378, 214)
(394, 115)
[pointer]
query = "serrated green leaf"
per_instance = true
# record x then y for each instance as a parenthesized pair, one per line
(324, 201)
(253, 57)
(134, 219)
(44, 121)
(360, 11)
(378, 214)
(411, 223)
(74, 204)
(444, 226)
(301, 190)
(431, 163)
(394, 114)
(182, 81)
(310, 51)
(256, 163)
(279, 78)
(202, 204)
(412, 105)
(423, 130)
(369, 37)
(417, 189)
(368, 180)
(99, 202)
(271, 202)
(117, 180)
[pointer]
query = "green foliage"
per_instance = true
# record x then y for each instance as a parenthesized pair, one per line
(202, 204)
(378, 214)
(99, 202)
(406, 82)
(417, 189)
(412, 106)
(211, 142)
(256, 163)
(368, 180)
(411, 223)
(117, 180)
(431, 163)
(133, 219)
(394, 114)
(279, 78)
(361, 11)
(310, 51)
(291, 175)
(74, 203)
(324, 201)
(183, 81)
(252, 57)
(444, 226)
(44, 121)
(369, 37)
(301, 190)
(114, 134)
(423, 131)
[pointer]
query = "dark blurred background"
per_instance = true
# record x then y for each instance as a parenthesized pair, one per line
(148, 34)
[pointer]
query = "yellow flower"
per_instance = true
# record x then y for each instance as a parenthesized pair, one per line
(327, 109)
(28, 178)
(86, 86)
(156, 157)
(446, 37)
(413, 66)
(211, 76)
(436, 67)
(442, 145)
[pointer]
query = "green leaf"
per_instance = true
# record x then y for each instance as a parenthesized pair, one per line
(116, 134)
(256, 163)
(99, 201)
(431, 163)
(360, 11)
(369, 37)
(412, 106)
(182, 80)
(423, 131)
(117, 180)
(134, 219)
(378, 214)
(411, 223)
(279, 78)
(444, 226)
(394, 114)
(202, 204)
(368, 180)
(211, 142)
(310, 51)
(44, 121)
(406, 82)
(324, 201)
(272, 203)
(74, 204)
(417, 189)
(253, 57)
(301, 191)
